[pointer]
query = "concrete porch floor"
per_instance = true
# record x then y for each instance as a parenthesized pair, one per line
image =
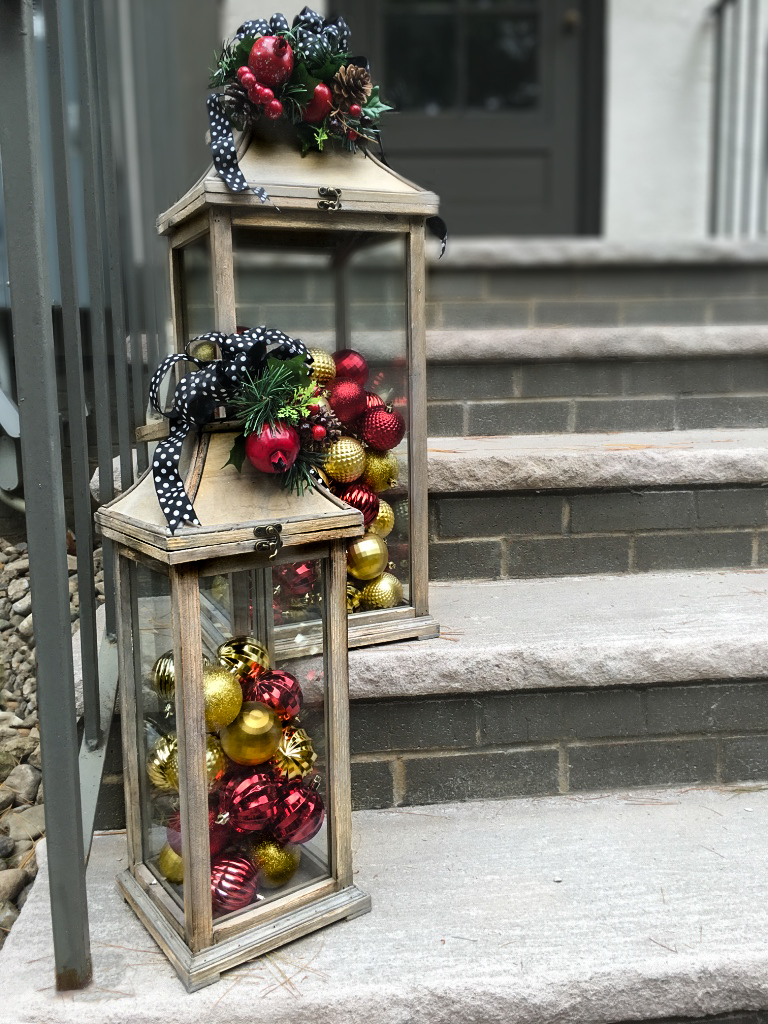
(600, 908)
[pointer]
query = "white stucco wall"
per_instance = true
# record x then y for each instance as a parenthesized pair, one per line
(658, 103)
(235, 12)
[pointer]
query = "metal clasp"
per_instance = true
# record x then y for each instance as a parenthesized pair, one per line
(270, 541)
(332, 200)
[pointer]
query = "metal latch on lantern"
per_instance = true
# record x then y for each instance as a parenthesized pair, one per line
(331, 200)
(269, 540)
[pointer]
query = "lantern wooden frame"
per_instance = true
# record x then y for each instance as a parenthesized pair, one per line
(370, 198)
(316, 526)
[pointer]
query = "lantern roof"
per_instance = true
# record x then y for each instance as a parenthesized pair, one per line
(232, 507)
(293, 182)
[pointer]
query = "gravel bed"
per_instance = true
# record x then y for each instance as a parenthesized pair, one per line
(22, 821)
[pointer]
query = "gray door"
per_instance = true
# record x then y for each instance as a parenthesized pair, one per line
(490, 99)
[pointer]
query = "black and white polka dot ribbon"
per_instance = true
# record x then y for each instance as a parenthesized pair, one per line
(196, 398)
(224, 151)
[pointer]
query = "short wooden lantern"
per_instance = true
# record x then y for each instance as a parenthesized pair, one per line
(235, 738)
(337, 260)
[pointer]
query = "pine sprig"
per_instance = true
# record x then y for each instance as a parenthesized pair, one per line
(266, 399)
(233, 55)
(299, 477)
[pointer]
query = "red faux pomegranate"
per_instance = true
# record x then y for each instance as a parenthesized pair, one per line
(273, 449)
(271, 60)
(319, 106)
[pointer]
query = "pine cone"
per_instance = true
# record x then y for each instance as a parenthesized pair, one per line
(351, 84)
(238, 107)
(325, 420)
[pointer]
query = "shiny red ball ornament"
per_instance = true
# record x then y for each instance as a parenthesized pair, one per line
(298, 578)
(373, 401)
(350, 365)
(234, 882)
(251, 803)
(347, 399)
(360, 496)
(218, 835)
(382, 430)
(273, 449)
(279, 690)
(271, 60)
(300, 813)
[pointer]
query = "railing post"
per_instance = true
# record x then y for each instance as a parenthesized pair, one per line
(41, 457)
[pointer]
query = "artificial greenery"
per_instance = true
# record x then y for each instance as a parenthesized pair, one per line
(282, 392)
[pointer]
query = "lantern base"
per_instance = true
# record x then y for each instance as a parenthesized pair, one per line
(198, 970)
(386, 624)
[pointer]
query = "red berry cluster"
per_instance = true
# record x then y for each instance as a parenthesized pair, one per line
(270, 64)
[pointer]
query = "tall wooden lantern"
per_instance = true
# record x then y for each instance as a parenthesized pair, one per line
(336, 259)
(235, 738)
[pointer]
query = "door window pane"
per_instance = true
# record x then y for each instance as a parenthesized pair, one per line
(501, 54)
(419, 54)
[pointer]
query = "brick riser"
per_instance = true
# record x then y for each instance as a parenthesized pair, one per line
(513, 536)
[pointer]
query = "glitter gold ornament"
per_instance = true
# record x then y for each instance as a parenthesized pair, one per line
(169, 865)
(367, 556)
(384, 521)
(205, 351)
(276, 863)
(158, 760)
(295, 754)
(244, 655)
(223, 697)
(385, 591)
(254, 735)
(345, 460)
(380, 471)
(215, 765)
(353, 598)
(323, 367)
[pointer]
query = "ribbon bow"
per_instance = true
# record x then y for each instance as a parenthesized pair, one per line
(195, 400)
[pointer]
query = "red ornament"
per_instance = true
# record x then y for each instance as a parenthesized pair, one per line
(274, 110)
(350, 365)
(355, 110)
(373, 401)
(360, 496)
(218, 835)
(319, 106)
(278, 690)
(234, 883)
(271, 60)
(318, 432)
(347, 399)
(273, 449)
(300, 813)
(250, 804)
(351, 134)
(245, 76)
(298, 578)
(382, 430)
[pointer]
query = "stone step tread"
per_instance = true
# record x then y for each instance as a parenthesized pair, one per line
(630, 905)
(527, 462)
(578, 632)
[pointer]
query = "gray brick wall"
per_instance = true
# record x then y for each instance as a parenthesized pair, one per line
(498, 536)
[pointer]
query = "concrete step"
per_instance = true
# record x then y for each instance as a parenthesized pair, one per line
(557, 504)
(637, 905)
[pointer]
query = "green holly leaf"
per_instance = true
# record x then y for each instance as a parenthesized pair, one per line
(298, 373)
(374, 107)
(237, 453)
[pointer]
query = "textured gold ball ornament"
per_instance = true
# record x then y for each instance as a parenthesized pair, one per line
(385, 591)
(277, 864)
(244, 655)
(158, 761)
(295, 755)
(381, 471)
(367, 556)
(215, 765)
(353, 598)
(223, 696)
(205, 351)
(170, 865)
(254, 736)
(345, 460)
(384, 521)
(323, 367)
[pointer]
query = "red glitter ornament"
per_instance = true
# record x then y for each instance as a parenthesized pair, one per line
(249, 805)
(347, 399)
(234, 883)
(382, 430)
(300, 813)
(218, 835)
(298, 578)
(360, 496)
(278, 690)
(350, 365)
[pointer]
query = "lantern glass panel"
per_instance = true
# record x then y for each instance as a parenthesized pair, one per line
(196, 297)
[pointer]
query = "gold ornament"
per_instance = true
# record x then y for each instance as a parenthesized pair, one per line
(295, 755)
(223, 697)
(220, 588)
(385, 591)
(323, 368)
(164, 679)
(244, 655)
(215, 765)
(159, 759)
(277, 864)
(205, 351)
(380, 471)
(345, 460)
(254, 735)
(170, 865)
(353, 598)
(384, 521)
(367, 556)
